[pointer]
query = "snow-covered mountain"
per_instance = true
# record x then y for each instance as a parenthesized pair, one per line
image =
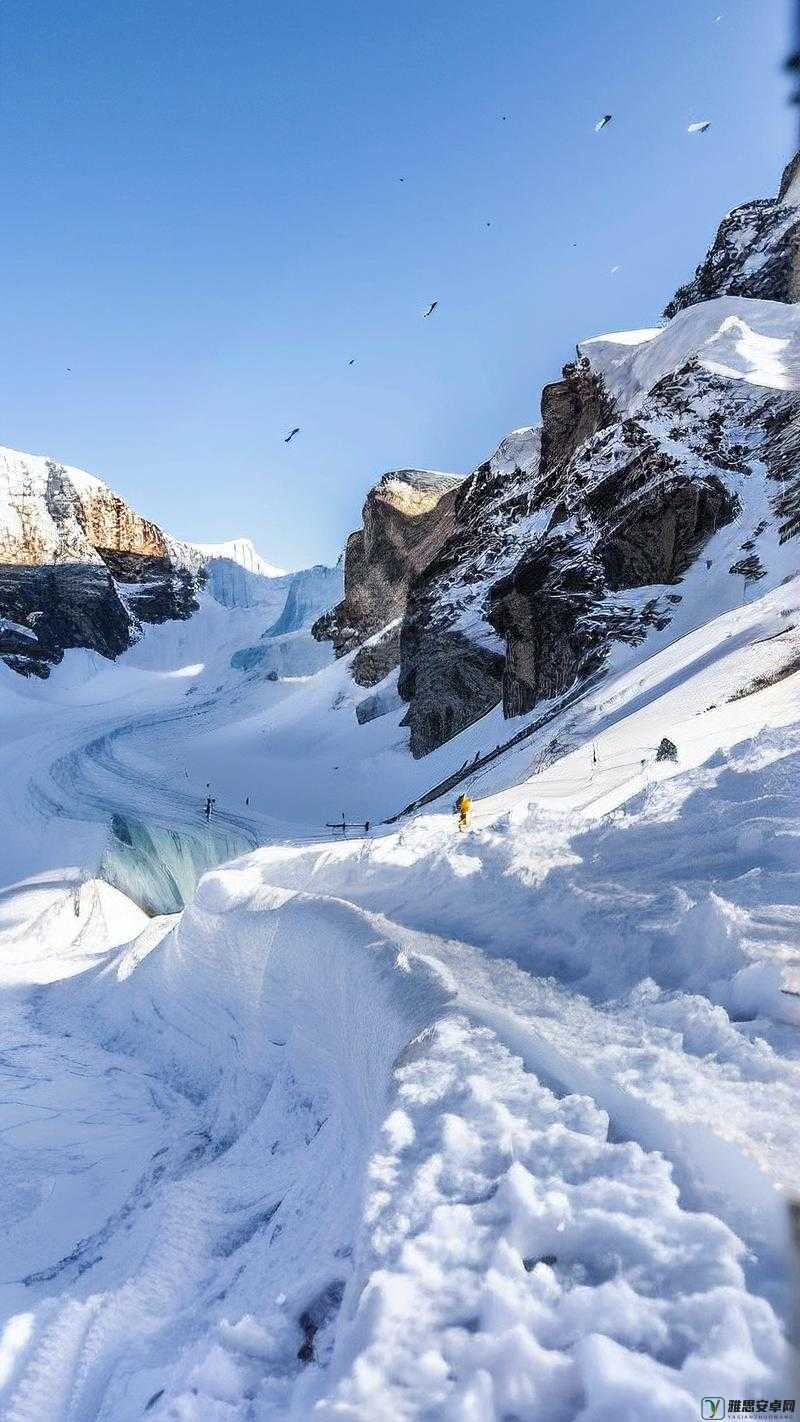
(756, 251)
(78, 567)
(657, 449)
(241, 551)
(396, 1123)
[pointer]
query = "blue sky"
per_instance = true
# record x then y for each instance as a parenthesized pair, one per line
(204, 220)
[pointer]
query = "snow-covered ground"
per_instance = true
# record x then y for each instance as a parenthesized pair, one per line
(755, 341)
(418, 1125)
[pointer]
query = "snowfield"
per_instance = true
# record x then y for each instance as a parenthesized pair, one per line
(413, 1125)
(418, 1125)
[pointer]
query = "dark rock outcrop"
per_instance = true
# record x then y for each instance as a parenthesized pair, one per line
(638, 503)
(573, 409)
(45, 610)
(538, 609)
(449, 681)
(451, 658)
(407, 517)
(377, 657)
(582, 535)
(755, 253)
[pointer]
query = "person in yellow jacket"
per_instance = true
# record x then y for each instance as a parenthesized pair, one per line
(463, 807)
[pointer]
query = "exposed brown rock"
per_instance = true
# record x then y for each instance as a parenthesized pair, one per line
(407, 516)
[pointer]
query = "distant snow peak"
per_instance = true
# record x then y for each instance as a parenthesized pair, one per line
(243, 552)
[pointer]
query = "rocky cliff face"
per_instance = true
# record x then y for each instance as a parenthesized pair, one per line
(407, 517)
(452, 652)
(756, 251)
(662, 485)
(78, 567)
(451, 658)
(696, 469)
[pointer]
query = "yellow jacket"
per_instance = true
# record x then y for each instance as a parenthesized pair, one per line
(463, 804)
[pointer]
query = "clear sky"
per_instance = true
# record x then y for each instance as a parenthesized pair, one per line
(203, 219)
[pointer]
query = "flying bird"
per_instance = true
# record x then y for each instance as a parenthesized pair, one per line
(292, 434)
(352, 362)
(431, 308)
(699, 127)
(615, 269)
(601, 122)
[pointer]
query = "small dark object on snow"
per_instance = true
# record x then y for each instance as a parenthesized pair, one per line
(151, 1401)
(324, 1308)
(272, 676)
(667, 750)
(306, 1351)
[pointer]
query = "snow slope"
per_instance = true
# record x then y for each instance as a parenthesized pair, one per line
(322, 1145)
(755, 341)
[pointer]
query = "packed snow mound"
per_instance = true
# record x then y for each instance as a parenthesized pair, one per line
(754, 341)
(397, 1197)
(243, 552)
